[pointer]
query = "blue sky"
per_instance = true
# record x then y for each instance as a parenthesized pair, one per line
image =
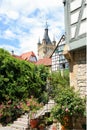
(22, 23)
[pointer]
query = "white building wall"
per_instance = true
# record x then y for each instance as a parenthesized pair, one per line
(75, 13)
(75, 4)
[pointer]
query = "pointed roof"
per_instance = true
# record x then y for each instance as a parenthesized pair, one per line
(16, 56)
(27, 55)
(62, 38)
(46, 36)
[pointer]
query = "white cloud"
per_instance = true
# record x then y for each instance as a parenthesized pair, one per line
(24, 25)
(27, 6)
(12, 14)
(29, 43)
(8, 34)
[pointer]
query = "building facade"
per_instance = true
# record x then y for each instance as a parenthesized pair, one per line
(46, 47)
(59, 62)
(75, 48)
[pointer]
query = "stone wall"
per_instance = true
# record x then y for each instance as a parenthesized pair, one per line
(79, 123)
(78, 70)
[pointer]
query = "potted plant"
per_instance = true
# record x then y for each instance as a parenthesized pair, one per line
(33, 105)
(68, 104)
(41, 126)
(34, 123)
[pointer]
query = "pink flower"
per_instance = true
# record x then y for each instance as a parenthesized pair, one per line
(18, 106)
(9, 102)
(66, 109)
(28, 104)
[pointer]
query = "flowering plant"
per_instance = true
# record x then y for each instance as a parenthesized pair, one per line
(31, 105)
(14, 109)
(68, 103)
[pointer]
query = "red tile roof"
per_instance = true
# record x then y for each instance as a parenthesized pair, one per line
(27, 55)
(44, 61)
(18, 57)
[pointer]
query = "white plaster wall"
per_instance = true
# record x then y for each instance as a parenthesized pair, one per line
(84, 13)
(74, 17)
(83, 28)
(73, 31)
(75, 4)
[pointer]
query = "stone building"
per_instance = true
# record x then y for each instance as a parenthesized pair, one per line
(75, 48)
(46, 47)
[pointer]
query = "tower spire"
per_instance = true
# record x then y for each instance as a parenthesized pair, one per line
(46, 36)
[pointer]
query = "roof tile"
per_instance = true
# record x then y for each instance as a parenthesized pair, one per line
(27, 55)
(44, 61)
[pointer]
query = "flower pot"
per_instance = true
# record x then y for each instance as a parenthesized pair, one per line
(67, 123)
(33, 123)
(63, 127)
(41, 127)
(54, 128)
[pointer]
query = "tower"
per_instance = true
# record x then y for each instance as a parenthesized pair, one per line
(46, 47)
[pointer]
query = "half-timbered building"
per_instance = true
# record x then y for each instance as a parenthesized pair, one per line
(59, 62)
(75, 48)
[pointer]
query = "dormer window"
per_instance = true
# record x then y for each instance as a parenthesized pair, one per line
(32, 59)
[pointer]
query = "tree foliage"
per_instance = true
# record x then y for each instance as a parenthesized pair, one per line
(56, 81)
(20, 79)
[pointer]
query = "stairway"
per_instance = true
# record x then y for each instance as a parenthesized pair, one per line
(21, 123)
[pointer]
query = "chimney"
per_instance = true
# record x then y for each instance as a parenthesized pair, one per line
(12, 52)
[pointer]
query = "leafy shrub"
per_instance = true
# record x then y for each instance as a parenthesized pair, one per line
(68, 103)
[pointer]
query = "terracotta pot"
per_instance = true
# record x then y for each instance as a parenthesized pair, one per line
(67, 123)
(33, 123)
(41, 127)
(54, 128)
(63, 128)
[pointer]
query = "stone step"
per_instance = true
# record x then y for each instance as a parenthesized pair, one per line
(21, 123)
(24, 116)
(22, 119)
(19, 127)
